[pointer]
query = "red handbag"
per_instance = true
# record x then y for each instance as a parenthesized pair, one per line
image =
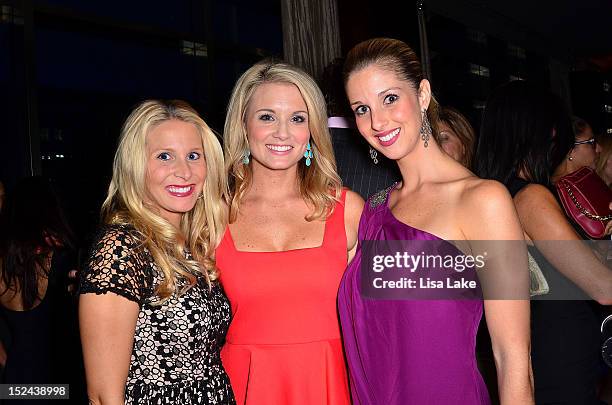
(586, 198)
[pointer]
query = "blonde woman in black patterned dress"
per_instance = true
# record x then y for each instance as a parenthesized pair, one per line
(152, 314)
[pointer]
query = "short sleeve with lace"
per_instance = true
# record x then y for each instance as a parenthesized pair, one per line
(119, 264)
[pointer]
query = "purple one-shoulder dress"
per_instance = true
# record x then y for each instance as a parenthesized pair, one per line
(407, 352)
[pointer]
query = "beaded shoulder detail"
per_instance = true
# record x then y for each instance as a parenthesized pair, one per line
(381, 196)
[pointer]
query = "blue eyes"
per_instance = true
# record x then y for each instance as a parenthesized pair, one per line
(294, 118)
(165, 156)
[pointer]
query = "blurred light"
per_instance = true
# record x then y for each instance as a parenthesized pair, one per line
(478, 104)
(516, 51)
(479, 70)
(10, 15)
(476, 36)
(194, 48)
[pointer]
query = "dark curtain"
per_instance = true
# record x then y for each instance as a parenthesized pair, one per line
(311, 37)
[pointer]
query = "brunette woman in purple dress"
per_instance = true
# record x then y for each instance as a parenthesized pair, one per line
(423, 351)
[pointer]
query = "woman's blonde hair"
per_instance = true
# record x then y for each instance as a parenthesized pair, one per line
(319, 184)
(201, 228)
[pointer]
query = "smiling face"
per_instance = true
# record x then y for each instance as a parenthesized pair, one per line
(387, 110)
(176, 169)
(277, 126)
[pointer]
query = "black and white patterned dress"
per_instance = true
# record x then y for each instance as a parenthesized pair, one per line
(176, 354)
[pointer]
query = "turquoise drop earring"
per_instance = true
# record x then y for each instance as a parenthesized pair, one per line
(308, 154)
(245, 157)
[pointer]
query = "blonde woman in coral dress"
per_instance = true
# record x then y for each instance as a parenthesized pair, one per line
(292, 231)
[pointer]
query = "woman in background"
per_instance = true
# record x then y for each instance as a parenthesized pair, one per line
(525, 135)
(292, 230)
(456, 136)
(153, 316)
(423, 351)
(603, 163)
(582, 153)
(36, 244)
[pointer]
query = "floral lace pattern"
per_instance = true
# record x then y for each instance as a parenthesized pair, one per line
(176, 353)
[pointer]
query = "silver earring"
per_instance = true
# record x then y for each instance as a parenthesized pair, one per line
(374, 155)
(245, 157)
(570, 158)
(425, 128)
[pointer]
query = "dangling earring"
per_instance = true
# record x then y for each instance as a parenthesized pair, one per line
(308, 154)
(425, 128)
(245, 157)
(374, 155)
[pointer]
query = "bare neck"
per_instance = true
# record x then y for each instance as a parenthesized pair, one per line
(563, 169)
(273, 184)
(424, 165)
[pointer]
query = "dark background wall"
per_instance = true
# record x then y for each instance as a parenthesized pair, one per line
(476, 45)
(71, 70)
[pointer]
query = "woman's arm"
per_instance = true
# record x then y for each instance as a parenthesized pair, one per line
(111, 287)
(490, 216)
(107, 324)
(2, 355)
(353, 206)
(546, 224)
(508, 323)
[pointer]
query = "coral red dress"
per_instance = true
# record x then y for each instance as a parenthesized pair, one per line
(283, 345)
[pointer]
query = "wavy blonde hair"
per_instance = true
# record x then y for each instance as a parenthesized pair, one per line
(201, 228)
(319, 184)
